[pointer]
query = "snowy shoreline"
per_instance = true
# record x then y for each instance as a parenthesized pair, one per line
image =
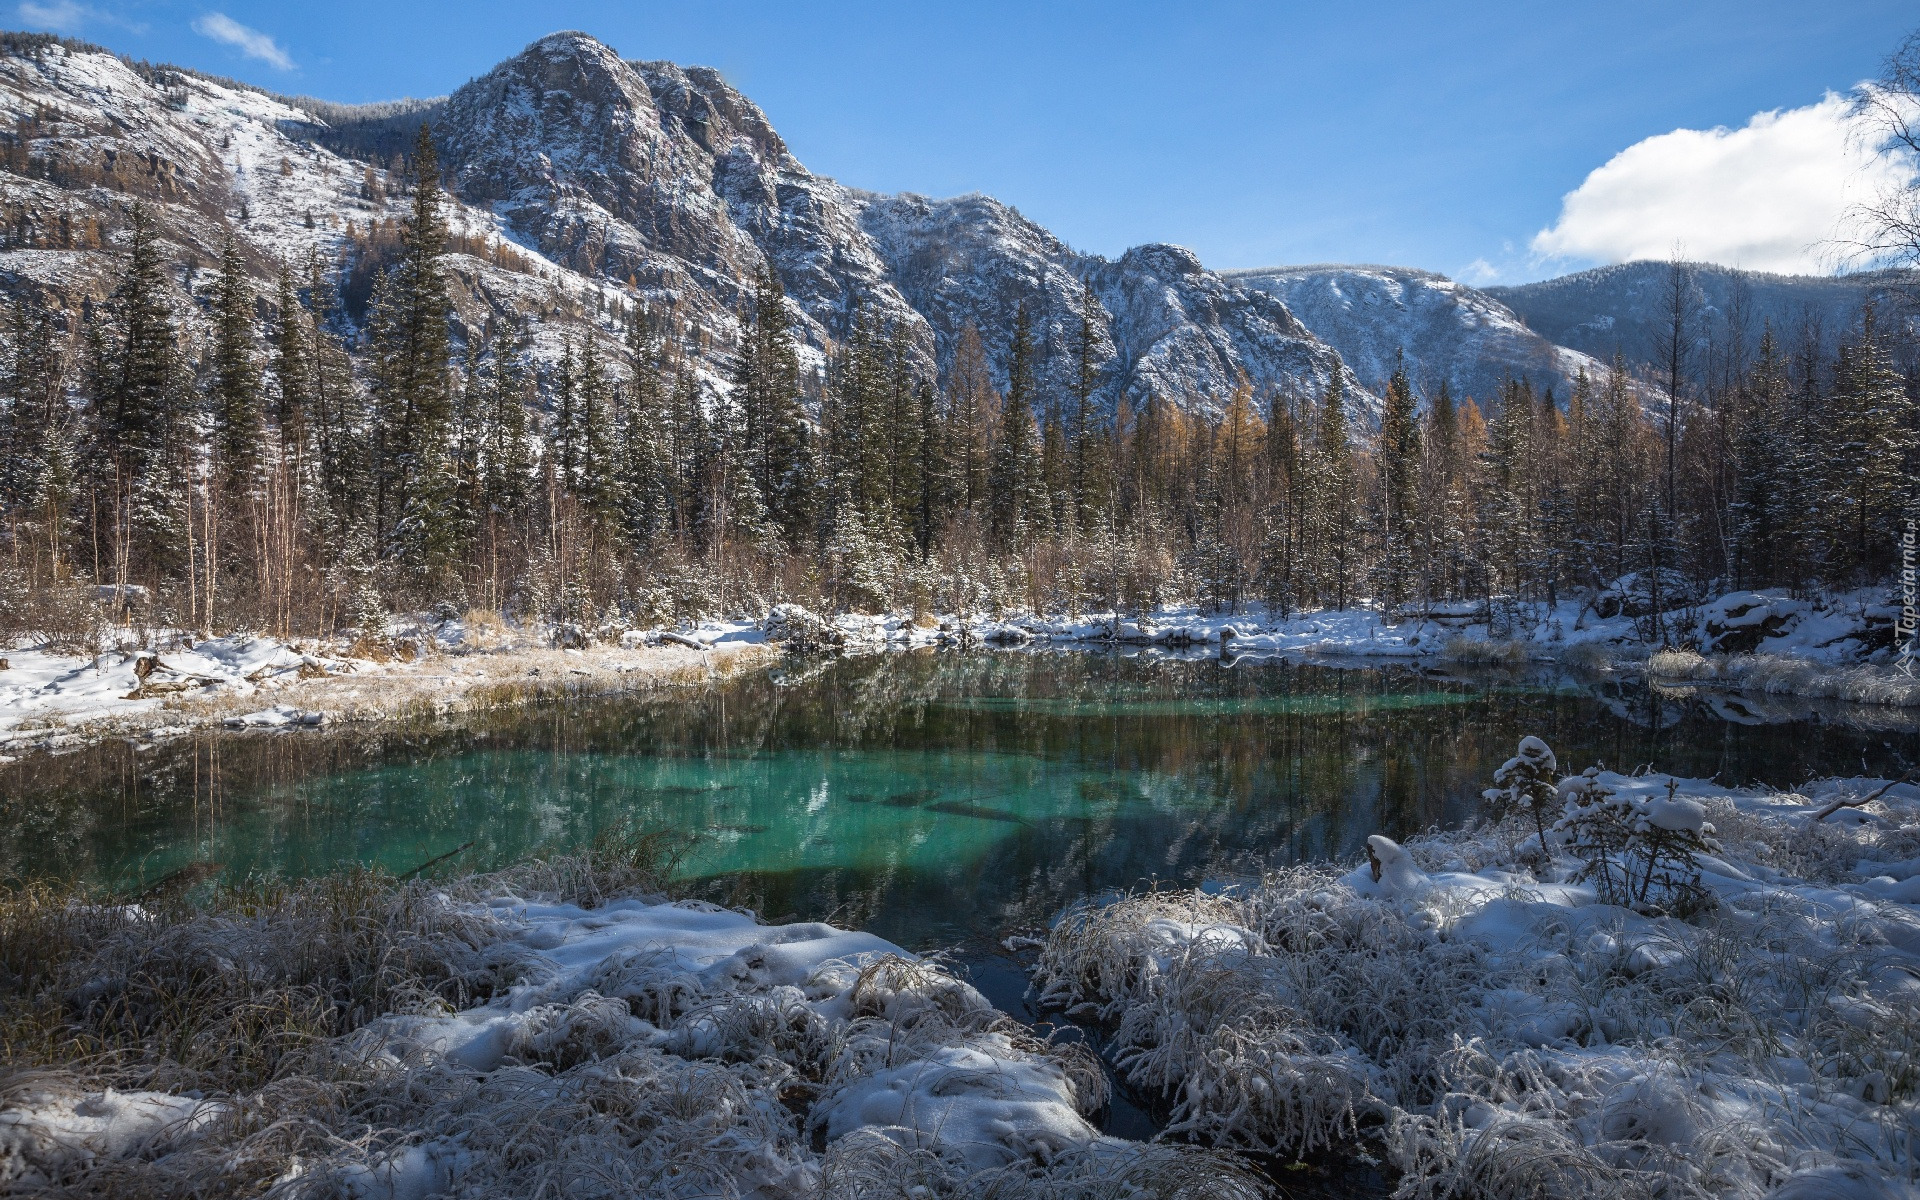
(1467, 1008)
(1757, 644)
(59, 701)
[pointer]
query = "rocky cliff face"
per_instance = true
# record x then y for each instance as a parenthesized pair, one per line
(582, 182)
(1447, 331)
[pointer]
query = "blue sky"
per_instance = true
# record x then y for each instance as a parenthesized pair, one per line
(1442, 136)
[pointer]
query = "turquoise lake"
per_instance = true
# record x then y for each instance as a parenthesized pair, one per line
(936, 799)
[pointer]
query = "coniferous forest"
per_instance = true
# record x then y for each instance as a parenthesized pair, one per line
(296, 471)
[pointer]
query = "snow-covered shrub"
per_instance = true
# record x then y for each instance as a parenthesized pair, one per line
(1863, 684)
(864, 573)
(1637, 853)
(1525, 784)
(1590, 656)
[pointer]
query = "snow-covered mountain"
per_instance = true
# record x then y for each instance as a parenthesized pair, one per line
(583, 182)
(1623, 306)
(94, 134)
(1448, 331)
(1169, 327)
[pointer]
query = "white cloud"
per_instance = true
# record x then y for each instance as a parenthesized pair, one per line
(61, 16)
(1478, 271)
(1773, 195)
(250, 42)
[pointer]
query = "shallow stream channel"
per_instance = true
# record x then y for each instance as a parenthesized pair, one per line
(943, 801)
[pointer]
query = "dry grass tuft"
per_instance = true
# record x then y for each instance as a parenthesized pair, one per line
(1499, 651)
(1679, 664)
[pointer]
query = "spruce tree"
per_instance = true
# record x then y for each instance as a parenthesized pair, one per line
(597, 478)
(234, 388)
(1089, 476)
(1015, 482)
(413, 380)
(141, 400)
(1335, 497)
(1769, 498)
(1399, 488)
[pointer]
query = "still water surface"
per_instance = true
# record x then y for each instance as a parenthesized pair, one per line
(934, 799)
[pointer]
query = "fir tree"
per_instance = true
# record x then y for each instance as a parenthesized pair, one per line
(766, 387)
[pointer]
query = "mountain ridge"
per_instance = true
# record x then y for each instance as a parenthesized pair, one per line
(582, 182)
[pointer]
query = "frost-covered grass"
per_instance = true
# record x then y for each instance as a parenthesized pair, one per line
(559, 1028)
(1466, 1010)
(1462, 648)
(1679, 664)
(1863, 684)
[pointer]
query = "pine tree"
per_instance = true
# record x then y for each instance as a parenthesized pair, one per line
(563, 443)
(973, 408)
(1281, 525)
(903, 432)
(292, 376)
(766, 387)
(338, 423)
(1768, 495)
(139, 409)
(646, 448)
(597, 477)
(39, 435)
(505, 460)
(1508, 514)
(1871, 434)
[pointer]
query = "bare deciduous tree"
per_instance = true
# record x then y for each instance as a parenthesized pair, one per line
(1889, 225)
